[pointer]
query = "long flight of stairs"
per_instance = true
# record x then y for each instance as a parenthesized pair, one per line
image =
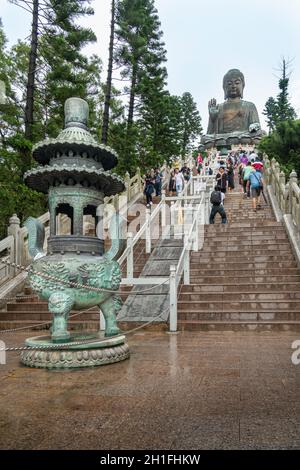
(244, 277)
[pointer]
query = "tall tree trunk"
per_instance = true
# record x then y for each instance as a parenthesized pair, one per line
(109, 77)
(31, 79)
(132, 96)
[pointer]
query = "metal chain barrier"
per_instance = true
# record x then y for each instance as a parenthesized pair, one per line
(81, 343)
(76, 284)
(13, 330)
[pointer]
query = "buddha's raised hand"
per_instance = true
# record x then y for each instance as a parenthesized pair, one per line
(213, 109)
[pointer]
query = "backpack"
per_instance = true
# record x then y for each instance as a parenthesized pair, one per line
(216, 198)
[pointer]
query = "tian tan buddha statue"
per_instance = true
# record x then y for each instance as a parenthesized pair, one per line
(235, 121)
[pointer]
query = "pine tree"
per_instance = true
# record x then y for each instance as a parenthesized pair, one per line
(271, 113)
(285, 110)
(108, 87)
(279, 110)
(191, 122)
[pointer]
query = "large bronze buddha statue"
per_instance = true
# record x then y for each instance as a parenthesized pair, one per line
(235, 121)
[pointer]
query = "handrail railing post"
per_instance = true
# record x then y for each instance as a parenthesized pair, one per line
(196, 230)
(148, 231)
(130, 255)
(14, 230)
(163, 208)
(186, 260)
(173, 300)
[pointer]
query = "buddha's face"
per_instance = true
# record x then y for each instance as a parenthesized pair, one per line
(234, 87)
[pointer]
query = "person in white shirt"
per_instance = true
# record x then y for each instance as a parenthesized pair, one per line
(179, 181)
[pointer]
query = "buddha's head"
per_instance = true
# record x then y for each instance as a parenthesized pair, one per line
(233, 84)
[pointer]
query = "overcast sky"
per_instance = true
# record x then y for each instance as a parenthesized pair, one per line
(206, 38)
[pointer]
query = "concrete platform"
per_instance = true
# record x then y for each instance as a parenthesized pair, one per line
(192, 390)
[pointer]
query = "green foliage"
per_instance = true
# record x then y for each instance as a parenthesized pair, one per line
(61, 71)
(15, 196)
(284, 145)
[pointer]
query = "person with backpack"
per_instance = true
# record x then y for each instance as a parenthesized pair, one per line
(246, 182)
(256, 183)
(216, 199)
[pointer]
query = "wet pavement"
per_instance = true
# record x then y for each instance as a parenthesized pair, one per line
(192, 390)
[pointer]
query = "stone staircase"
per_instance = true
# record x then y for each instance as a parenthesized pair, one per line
(245, 276)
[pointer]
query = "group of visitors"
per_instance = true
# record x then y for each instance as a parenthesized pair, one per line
(250, 169)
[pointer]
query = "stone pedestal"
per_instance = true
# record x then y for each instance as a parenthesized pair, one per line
(97, 352)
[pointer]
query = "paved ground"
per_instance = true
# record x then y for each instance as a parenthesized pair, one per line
(186, 391)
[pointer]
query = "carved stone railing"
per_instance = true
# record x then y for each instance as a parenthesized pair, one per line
(285, 199)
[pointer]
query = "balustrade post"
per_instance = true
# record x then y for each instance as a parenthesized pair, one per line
(196, 231)
(173, 300)
(148, 231)
(14, 230)
(281, 191)
(130, 255)
(139, 179)
(127, 185)
(287, 206)
(293, 179)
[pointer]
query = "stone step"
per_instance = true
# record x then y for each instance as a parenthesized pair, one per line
(227, 273)
(245, 237)
(246, 224)
(242, 315)
(241, 288)
(239, 325)
(223, 251)
(84, 325)
(244, 244)
(216, 306)
(236, 264)
(241, 257)
(240, 279)
(238, 296)
(42, 315)
(235, 230)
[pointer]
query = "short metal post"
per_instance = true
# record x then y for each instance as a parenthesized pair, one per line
(173, 300)
(102, 321)
(130, 255)
(148, 231)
